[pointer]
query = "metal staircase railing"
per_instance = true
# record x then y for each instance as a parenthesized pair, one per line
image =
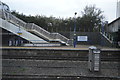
(31, 26)
(107, 36)
(48, 35)
(34, 27)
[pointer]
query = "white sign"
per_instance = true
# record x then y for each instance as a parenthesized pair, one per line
(82, 38)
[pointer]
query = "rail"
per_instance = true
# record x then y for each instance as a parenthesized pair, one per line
(31, 26)
(108, 36)
(51, 36)
(12, 19)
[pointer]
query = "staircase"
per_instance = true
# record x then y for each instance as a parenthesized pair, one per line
(40, 34)
(26, 35)
(51, 37)
(106, 39)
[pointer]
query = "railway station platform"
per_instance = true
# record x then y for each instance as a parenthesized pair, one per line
(78, 47)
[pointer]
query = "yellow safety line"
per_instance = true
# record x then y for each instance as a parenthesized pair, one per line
(47, 48)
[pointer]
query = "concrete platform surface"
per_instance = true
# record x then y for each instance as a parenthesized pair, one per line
(78, 47)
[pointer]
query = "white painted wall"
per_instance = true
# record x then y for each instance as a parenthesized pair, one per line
(114, 26)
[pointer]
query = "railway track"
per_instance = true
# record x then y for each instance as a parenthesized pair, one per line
(59, 58)
(58, 55)
(72, 58)
(37, 77)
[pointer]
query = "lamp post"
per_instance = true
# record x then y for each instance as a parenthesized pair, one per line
(74, 36)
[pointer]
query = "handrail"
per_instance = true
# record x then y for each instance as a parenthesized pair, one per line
(57, 36)
(61, 37)
(31, 26)
(12, 19)
(16, 21)
(107, 36)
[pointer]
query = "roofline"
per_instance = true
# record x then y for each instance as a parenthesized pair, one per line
(114, 21)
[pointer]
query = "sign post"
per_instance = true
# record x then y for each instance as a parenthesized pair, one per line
(19, 33)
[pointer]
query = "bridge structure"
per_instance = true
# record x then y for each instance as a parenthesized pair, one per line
(28, 31)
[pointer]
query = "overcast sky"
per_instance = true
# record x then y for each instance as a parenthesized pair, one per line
(61, 8)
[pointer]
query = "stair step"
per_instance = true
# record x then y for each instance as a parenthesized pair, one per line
(43, 45)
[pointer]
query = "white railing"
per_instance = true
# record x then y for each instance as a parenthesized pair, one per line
(53, 36)
(32, 26)
(108, 36)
